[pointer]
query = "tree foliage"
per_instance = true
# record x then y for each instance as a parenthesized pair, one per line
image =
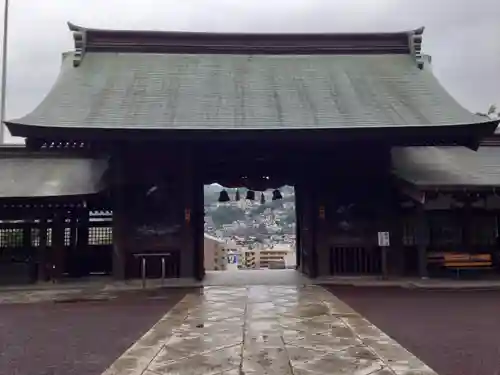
(289, 218)
(227, 215)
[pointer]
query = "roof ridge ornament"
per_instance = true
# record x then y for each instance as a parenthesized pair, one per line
(415, 42)
(80, 39)
(153, 41)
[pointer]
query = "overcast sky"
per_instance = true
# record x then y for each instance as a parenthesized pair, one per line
(461, 35)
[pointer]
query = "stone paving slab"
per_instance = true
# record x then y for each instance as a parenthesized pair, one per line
(241, 278)
(265, 330)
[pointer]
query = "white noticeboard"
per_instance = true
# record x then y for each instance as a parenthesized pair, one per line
(384, 239)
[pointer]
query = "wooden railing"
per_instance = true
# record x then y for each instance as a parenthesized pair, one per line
(156, 265)
(355, 260)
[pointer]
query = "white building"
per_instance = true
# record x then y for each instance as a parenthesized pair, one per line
(215, 253)
(276, 256)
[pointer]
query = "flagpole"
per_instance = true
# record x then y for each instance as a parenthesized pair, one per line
(4, 69)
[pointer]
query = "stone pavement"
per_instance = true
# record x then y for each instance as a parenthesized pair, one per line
(106, 287)
(268, 330)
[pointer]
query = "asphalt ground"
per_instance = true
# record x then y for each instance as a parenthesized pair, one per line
(454, 332)
(79, 337)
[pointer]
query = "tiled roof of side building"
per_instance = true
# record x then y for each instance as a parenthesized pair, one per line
(39, 176)
(452, 167)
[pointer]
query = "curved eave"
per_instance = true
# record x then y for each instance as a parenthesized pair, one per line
(448, 188)
(461, 188)
(468, 135)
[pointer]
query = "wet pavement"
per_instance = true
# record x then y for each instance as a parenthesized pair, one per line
(285, 330)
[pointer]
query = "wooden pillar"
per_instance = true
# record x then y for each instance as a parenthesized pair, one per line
(119, 217)
(27, 245)
(396, 253)
(83, 230)
(187, 257)
(58, 251)
(304, 226)
(26, 236)
(422, 240)
(71, 254)
(42, 250)
(382, 225)
(309, 214)
(313, 214)
(82, 239)
(73, 225)
(198, 219)
(321, 250)
(384, 255)
(73, 234)
(467, 225)
(298, 229)
(119, 252)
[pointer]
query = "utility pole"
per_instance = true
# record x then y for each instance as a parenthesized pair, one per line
(4, 69)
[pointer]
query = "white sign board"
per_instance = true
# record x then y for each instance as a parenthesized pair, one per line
(383, 239)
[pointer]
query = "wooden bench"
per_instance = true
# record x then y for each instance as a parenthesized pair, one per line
(461, 261)
(436, 258)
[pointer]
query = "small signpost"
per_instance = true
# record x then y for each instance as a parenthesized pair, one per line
(232, 259)
(384, 239)
(384, 242)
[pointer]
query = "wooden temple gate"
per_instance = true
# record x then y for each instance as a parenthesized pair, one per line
(159, 208)
(159, 114)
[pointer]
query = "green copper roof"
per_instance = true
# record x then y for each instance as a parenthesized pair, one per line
(226, 92)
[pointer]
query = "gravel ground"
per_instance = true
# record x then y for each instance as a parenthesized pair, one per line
(454, 332)
(81, 338)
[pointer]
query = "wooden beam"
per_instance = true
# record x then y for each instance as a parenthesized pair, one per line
(42, 251)
(189, 265)
(82, 242)
(58, 251)
(298, 230)
(119, 213)
(422, 240)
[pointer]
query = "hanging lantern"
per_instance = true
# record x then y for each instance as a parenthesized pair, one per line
(224, 196)
(237, 195)
(251, 195)
(277, 195)
(262, 198)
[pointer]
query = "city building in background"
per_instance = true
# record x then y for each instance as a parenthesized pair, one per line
(278, 256)
(215, 253)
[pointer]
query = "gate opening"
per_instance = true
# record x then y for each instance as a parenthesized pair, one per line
(247, 230)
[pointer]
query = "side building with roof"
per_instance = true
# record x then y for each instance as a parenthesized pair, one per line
(138, 121)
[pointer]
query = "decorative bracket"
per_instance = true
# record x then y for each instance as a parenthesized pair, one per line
(80, 38)
(415, 42)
